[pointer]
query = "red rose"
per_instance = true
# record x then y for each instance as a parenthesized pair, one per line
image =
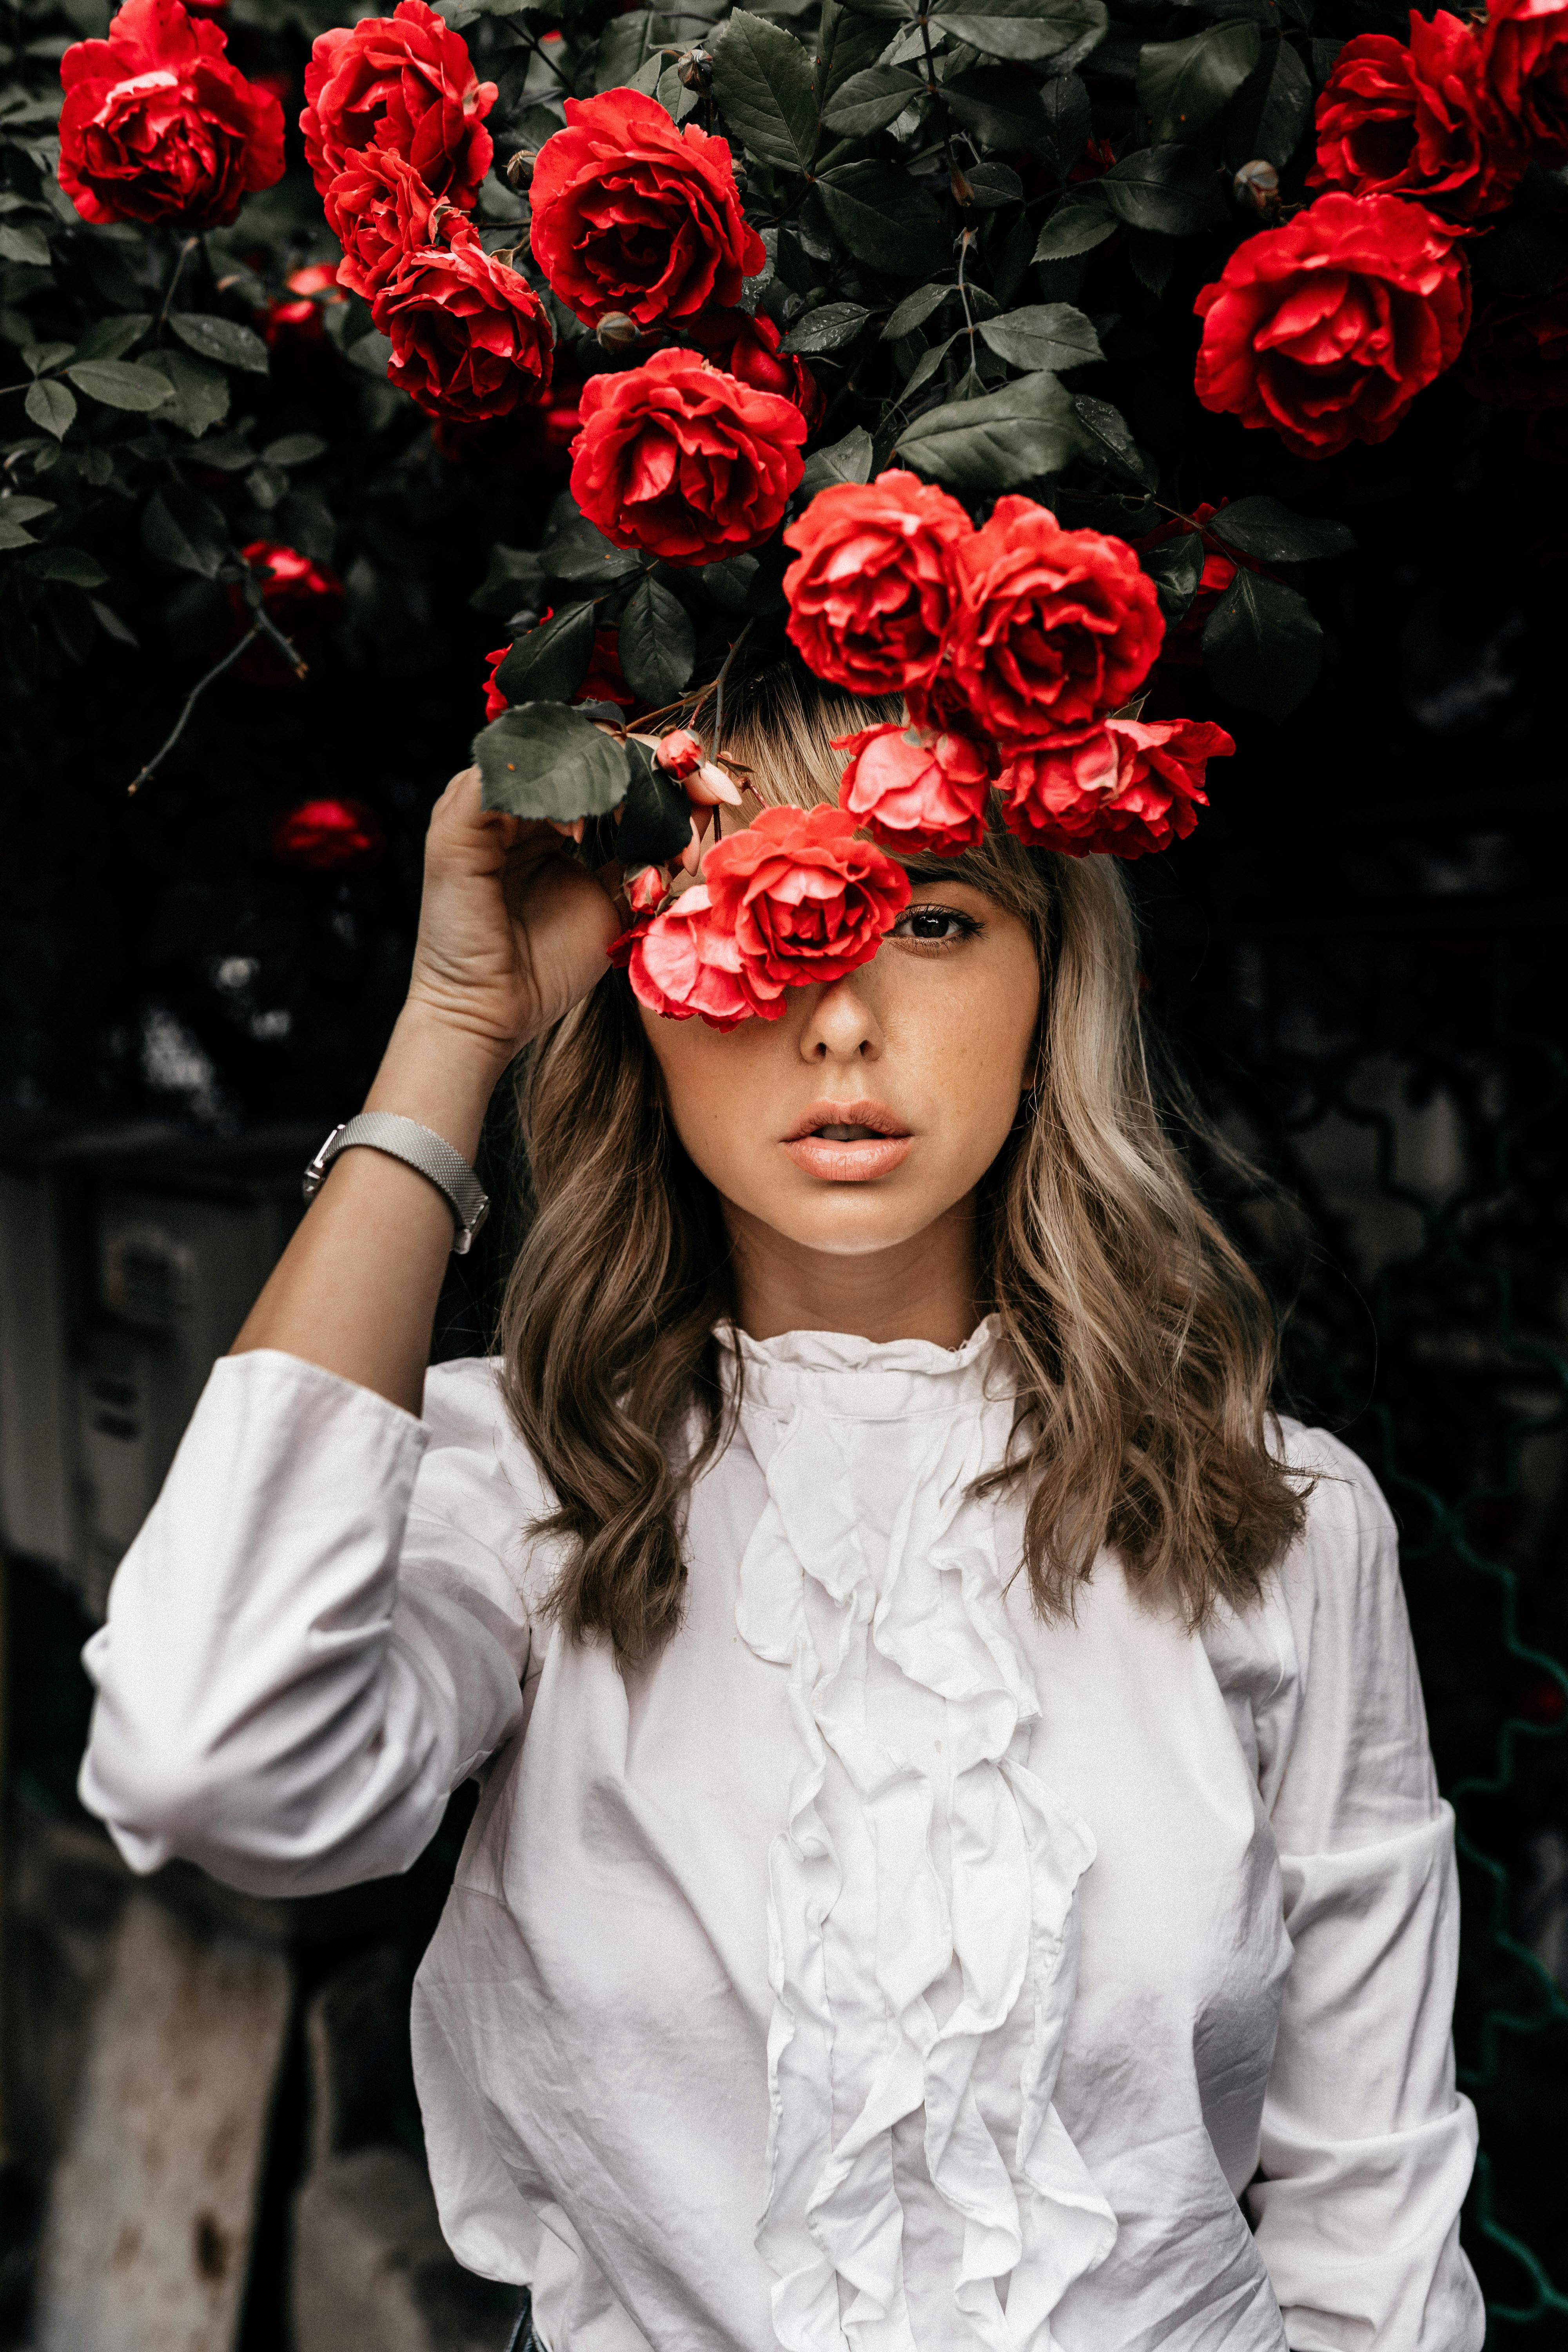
(913, 790)
(495, 701)
(873, 593)
(324, 836)
(1526, 50)
(158, 126)
(293, 586)
(676, 457)
(469, 336)
(379, 208)
(748, 347)
(1516, 354)
(682, 962)
(1327, 328)
(1120, 787)
(805, 902)
(1053, 626)
(1417, 119)
(405, 81)
(679, 754)
(298, 318)
(630, 213)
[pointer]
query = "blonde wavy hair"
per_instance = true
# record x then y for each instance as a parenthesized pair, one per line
(1144, 1347)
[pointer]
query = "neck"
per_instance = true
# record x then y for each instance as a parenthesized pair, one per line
(923, 1288)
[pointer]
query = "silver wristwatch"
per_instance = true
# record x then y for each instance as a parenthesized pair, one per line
(417, 1147)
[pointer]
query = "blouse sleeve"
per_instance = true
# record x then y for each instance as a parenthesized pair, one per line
(319, 1633)
(1367, 2147)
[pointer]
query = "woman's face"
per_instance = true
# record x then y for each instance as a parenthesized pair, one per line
(873, 1106)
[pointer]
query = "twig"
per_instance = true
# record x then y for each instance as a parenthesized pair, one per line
(953, 175)
(186, 250)
(965, 243)
(260, 627)
(719, 690)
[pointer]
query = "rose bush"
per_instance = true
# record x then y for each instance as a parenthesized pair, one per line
(404, 81)
(1417, 118)
(872, 592)
(158, 126)
(1326, 329)
(470, 337)
(632, 214)
(1053, 626)
(1122, 787)
(684, 461)
(914, 790)
(804, 899)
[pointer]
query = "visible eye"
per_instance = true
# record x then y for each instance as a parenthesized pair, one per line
(934, 925)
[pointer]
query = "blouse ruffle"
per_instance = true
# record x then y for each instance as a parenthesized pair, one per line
(922, 1896)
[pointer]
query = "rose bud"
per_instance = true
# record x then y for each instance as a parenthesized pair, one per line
(1257, 186)
(520, 170)
(645, 891)
(617, 333)
(679, 754)
(695, 69)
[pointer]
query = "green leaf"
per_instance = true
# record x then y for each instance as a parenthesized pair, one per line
(22, 241)
(656, 823)
(120, 385)
(1262, 645)
(1109, 438)
(846, 42)
(543, 760)
(112, 625)
(1182, 85)
(294, 449)
(25, 510)
(1022, 29)
(1168, 188)
(1270, 111)
(550, 663)
(1026, 430)
(1002, 109)
(182, 527)
(830, 328)
(848, 460)
(924, 367)
(221, 339)
(201, 392)
(762, 79)
(868, 102)
(583, 556)
(729, 582)
(657, 644)
(1077, 225)
(1263, 527)
(915, 310)
(1063, 104)
(626, 44)
(305, 520)
(991, 186)
(12, 535)
(1176, 567)
(111, 338)
(516, 577)
(1043, 335)
(41, 358)
(370, 353)
(72, 566)
(50, 408)
(881, 216)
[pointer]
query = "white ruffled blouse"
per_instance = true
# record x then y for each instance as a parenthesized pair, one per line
(881, 1969)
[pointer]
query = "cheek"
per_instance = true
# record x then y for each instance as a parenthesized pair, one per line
(720, 1086)
(969, 1035)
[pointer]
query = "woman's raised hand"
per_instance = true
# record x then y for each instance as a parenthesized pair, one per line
(512, 931)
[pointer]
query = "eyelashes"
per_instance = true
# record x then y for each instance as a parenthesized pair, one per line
(940, 926)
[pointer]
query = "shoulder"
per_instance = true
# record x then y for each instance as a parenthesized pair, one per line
(1346, 1508)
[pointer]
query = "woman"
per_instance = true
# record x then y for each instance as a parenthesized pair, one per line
(958, 1862)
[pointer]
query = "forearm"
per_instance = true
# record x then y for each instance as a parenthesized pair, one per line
(355, 1290)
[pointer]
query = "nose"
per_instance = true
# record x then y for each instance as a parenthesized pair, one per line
(841, 1026)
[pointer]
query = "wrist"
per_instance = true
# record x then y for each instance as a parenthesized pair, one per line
(440, 1073)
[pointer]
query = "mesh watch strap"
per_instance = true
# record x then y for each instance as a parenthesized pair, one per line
(419, 1147)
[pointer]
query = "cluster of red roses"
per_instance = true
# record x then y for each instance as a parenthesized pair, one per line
(692, 456)
(1016, 648)
(1326, 327)
(395, 136)
(1012, 647)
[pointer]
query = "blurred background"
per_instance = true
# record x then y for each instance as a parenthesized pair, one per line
(209, 2135)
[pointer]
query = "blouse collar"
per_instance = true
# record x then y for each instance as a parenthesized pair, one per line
(865, 1379)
